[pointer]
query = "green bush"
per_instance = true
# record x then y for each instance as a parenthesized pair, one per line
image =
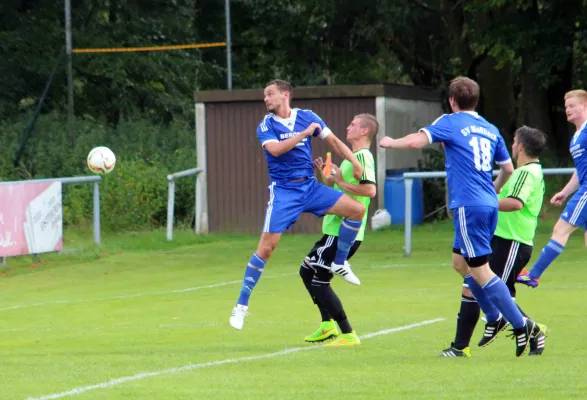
(134, 195)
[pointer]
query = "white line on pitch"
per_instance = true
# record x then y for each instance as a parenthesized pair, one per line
(410, 265)
(130, 296)
(191, 367)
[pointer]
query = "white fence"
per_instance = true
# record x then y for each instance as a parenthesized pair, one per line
(200, 217)
(409, 182)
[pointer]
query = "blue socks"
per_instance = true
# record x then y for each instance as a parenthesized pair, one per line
(252, 276)
(491, 312)
(497, 292)
(549, 253)
(349, 228)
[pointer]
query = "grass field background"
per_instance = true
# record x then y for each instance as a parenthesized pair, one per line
(142, 318)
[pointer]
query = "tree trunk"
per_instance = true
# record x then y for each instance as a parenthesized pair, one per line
(534, 98)
(497, 103)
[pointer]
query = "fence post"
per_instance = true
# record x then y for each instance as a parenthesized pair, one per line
(408, 183)
(97, 238)
(198, 207)
(170, 206)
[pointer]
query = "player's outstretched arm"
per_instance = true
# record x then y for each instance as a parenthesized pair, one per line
(343, 151)
(570, 188)
(411, 141)
(505, 171)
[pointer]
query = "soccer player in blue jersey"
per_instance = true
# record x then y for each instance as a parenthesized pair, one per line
(575, 213)
(285, 135)
(471, 146)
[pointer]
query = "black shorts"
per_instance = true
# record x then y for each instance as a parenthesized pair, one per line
(324, 250)
(507, 260)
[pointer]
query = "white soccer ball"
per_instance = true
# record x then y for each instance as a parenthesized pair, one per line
(101, 160)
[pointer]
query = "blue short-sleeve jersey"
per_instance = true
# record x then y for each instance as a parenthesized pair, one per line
(578, 148)
(296, 163)
(471, 146)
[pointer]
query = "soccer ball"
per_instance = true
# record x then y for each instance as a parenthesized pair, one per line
(101, 160)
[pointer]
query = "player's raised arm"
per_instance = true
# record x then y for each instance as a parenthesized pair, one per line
(411, 141)
(277, 148)
(343, 151)
(439, 131)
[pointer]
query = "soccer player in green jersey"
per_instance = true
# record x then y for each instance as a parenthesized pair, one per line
(520, 201)
(314, 270)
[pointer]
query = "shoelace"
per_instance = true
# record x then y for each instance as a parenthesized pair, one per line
(235, 311)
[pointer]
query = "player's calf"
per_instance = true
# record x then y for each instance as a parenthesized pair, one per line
(329, 300)
(308, 273)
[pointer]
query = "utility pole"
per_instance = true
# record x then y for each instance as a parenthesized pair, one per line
(228, 46)
(68, 51)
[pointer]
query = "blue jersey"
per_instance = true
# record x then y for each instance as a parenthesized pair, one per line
(296, 163)
(471, 145)
(578, 147)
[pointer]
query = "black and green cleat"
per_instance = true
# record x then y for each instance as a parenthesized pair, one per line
(326, 331)
(453, 352)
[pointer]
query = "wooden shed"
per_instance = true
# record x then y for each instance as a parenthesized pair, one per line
(235, 179)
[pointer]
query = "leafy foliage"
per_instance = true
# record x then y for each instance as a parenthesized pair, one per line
(525, 54)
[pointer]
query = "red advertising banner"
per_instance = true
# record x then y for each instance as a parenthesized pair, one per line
(31, 218)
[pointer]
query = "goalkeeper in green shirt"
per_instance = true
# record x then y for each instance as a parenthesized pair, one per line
(315, 270)
(520, 201)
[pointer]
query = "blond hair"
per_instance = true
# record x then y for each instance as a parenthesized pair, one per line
(579, 93)
(369, 122)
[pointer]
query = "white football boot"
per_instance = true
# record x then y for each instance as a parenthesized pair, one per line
(346, 272)
(237, 319)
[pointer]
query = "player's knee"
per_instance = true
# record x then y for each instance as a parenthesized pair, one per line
(562, 230)
(265, 252)
(358, 211)
(460, 268)
(323, 275)
(265, 249)
(306, 272)
(458, 262)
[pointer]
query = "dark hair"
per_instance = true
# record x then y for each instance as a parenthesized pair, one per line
(465, 92)
(534, 140)
(283, 86)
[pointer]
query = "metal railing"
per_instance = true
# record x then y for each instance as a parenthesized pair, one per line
(409, 183)
(76, 179)
(171, 199)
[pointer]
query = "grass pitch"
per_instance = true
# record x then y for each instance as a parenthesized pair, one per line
(141, 318)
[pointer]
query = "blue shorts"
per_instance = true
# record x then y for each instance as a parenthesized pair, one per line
(474, 228)
(575, 212)
(288, 200)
